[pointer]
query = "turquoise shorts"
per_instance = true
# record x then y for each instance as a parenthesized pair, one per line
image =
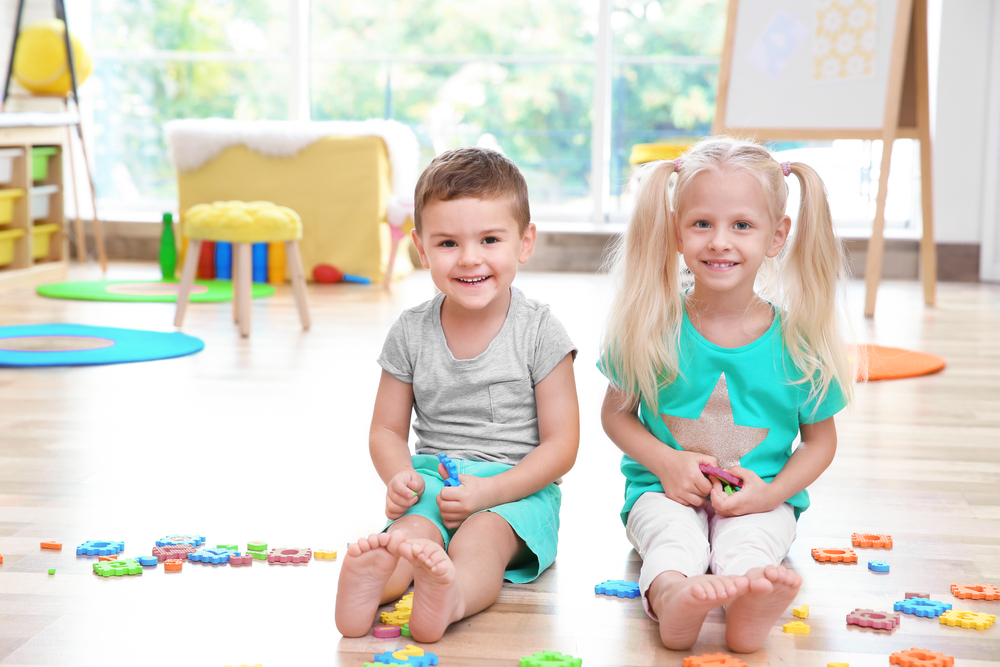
(535, 519)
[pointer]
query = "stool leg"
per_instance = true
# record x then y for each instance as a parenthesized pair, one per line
(298, 282)
(246, 288)
(235, 279)
(187, 279)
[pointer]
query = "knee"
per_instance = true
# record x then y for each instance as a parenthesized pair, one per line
(414, 526)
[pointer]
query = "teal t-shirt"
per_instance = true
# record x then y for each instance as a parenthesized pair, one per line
(738, 404)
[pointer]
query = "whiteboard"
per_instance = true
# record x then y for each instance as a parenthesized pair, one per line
(775, 79)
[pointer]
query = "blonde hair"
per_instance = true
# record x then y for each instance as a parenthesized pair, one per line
(641, 339)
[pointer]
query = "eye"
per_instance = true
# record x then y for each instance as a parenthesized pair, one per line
(702, 224)
(742, 226)
(448, 244)
(491, 239)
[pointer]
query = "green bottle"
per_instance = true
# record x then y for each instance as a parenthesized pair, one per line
(168, 248)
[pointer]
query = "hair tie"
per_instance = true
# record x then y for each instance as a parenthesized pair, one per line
(677, 163)
(786, 168)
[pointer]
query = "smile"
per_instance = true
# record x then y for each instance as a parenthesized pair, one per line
(472, 281)
(721, 265)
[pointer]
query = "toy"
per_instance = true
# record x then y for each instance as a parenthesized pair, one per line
(394, 617)
(230, 547)
(550, 659)
(40, 63)
(449, 466)
(844, 555)
(118, 568)
(617, 588)
(386, 631)
(1, 558)
(146, 561)
(107, 558)
(52, 570)
(173, 564)
(907, 596)
(724, 477)
(879, 620)
(967, 619)
(327, 275)
(838, 664)
(801, 612)
(256, 546)
(920, 657)
(325, 554)
(712, 660)
(411, 655)
(878, 566)
(214, 556)
(236, 559)
(921, 607)
(875, 541)
(99, 548)
(975, 591)
(168, 248)
(52, 545)
(796, 628)
(289, 555)
(405, 630)
(174, 551)
(175, 540)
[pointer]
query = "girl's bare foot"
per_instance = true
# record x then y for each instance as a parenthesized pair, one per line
(681, 603)
(437, 600)
(750, 618)
(369, 563)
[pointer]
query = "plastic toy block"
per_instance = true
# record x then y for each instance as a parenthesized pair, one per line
(968, 619)
(405, 630)
(289, 555)
(724, 477)
(117, 568)
(215, 556)
(230, 547)
(99, 548)
(907, 596)
(617, 588)
(325, 554)
(146, 561)
(449, 465)
(920, 657)
(878, 566)
(386, 631)
(879, 620)
(52, 544)
(256, 546)
(235, 558)
(844, 555)
(550, 659)
(871, 540)
(975, 591)
(395, 617)
(52, 570)
(173, 564)
(174, 551)
(921, 607)
(796, 628)
(713, 660)
(801, 612)
(174, 540)
(106, 558)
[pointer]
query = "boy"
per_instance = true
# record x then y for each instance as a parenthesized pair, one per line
(489, 374)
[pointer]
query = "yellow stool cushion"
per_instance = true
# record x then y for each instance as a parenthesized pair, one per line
(242, 222)
(642, 153)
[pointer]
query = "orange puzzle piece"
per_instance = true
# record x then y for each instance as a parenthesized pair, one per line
(713, 660)
(52, 545)
(106, 558)
(173, 564)
(872, 540)
(921, 657)
(975, 591)
(844, 555)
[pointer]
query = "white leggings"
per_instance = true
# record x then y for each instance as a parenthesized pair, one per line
(693, 540)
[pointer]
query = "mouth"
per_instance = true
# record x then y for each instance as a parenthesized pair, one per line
(721, 265)
(473, 281)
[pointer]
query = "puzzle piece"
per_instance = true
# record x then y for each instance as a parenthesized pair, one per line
(174, 551)
(52, 570)
(100, 548)
(394, 617)
(325, 554)
(724, 477)
(256, 546)
(920, 657)
(146, 561)
(878, 566)
(52, 544)
(801, 612)
(289, 555)
(617, 588)
(386, 631)
(235, 558)
(712, 660)
(117, 568)
(411, 655)
(796, 628)
(449, 465)
(921, 607)
(838, 664)
(106, 558)
(968, 619)
(879, 620)
(550, 659)
(975, 591)
(907, 596)
(174, 540)
(173, 564)
(405, 630)
(228, 547)
(214, 556)
(872, 540)
(844, 555)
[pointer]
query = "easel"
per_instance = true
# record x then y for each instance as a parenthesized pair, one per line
(81, 239)
(906, 115)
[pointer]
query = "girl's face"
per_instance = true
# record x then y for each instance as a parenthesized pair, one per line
(725, 231)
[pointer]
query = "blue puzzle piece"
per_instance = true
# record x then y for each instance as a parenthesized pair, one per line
(921, 607)
(100, 548)
(179, 538)
(878, 566)
(424, 660)
(146, 561)
(452, 469)
(215, 556)
(618, 588)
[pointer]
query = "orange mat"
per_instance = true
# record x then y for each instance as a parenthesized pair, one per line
(892, 363)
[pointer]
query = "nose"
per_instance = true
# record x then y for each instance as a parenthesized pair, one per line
(470, 255)
(720, 239)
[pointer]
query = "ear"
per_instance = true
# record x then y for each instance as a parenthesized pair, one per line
(420, 248)
(528, 243)
(780, 236)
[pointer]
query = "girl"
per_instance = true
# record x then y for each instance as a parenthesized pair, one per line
(724, 375)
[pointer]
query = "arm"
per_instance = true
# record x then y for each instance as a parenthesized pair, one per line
(807, 463)
(559, 438)
(677, 470)
(387, 443)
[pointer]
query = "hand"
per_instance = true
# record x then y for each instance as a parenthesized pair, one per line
(402, 492)
(754, 497)
(457, 503)
(682, 481)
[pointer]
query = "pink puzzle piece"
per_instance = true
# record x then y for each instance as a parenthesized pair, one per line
(289, 555)
(721, 474)
(173, 551)
(236, 559)
(868, 618)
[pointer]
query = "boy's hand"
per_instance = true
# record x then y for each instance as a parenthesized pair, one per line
(402, 492)
(682, 481)
(457, 503)
(754, 497)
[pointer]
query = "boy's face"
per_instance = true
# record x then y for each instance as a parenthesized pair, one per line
(472, 248)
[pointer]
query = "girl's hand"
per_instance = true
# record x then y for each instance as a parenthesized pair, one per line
(755, 496)
(682, 481)
(402, 492)
(457, 503)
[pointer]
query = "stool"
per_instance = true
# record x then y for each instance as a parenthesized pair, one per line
(242, 224)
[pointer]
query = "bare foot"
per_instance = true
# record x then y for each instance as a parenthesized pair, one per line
(681, 603)
(750, 618)
(437, 600)
(369, 563)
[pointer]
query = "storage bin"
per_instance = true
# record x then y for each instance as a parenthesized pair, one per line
(43, 236)
(40, 200)
(7, 238)
(40, 161)
(7, 199)
(7, 156)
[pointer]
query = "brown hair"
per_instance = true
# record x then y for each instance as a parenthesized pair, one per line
(475, 173)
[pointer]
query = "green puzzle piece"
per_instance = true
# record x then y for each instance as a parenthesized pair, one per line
(117, 568)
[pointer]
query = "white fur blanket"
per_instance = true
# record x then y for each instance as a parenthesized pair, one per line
(193, 142)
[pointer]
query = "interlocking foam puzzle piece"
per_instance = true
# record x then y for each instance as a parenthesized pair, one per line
(1, 558)
(713, 660)
(256, 546)
(844, 555)
(325, 554)
(52, 544)
(878, 566)
(100, 548)
(411, 655)
(107, 558)
(117, 568)
(920, 657)
(235, 558)
(449, 465)
(617, 588)
(796, 628)
(405, 630)
(215, 556)
(386, 631)
(908, 595)
(975, 591)
(838, 664)
(725, 477)
(52, 570)
(801, 612)
(173, 551)
(230, 547)
(395, 617)
(868, 618)
(173, 564)
(147, 560)
(872, 540)
(550, 659)
(968, 619)
(174, 540)
(289, 555)
(921, 607)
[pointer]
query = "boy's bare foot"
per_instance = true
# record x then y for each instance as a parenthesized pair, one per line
(369, 563)
(750, 618)
(681, 603)
(437, 600)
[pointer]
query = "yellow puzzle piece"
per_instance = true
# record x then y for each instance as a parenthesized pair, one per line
(801, 612)
(796, 628)
(405, 653)
(328, 555)
(968, 619)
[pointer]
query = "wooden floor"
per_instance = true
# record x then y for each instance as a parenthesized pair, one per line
(265, 439)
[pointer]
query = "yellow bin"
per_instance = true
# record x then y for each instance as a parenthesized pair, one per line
(7, 238)
(43, 234)
(7, 199)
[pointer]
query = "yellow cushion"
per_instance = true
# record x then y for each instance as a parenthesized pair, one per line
(642, 153)
(242, 222)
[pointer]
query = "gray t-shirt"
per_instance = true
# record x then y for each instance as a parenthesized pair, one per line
(481, 408)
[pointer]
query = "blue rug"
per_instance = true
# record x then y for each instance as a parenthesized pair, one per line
(82, 345)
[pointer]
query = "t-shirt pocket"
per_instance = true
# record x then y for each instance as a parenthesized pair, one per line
(512, 402)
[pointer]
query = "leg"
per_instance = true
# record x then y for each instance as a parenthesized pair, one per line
(245, 279)
(187, 279)
(298, 281)
(755, 545)
(234, 274)
(373, 573)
